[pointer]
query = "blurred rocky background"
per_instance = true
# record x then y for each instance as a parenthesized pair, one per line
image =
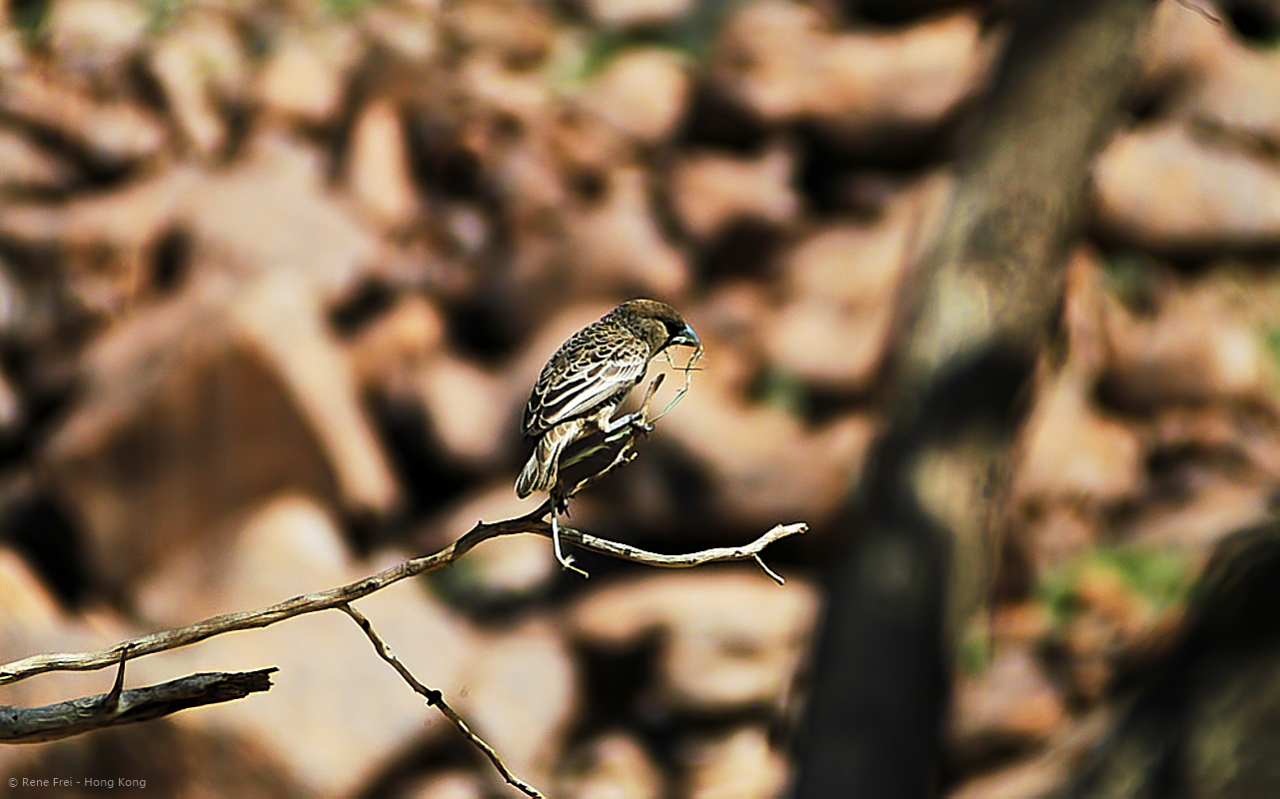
(276, 277)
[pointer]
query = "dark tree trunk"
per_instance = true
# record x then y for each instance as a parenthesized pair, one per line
(974, 318)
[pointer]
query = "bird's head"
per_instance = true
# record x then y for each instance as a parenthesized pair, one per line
(658, 323)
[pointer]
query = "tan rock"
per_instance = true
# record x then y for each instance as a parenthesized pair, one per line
(102, 245)
(616, 242)
(765, 465)
(1181, 43)
(167, 759)
(520, 31)
(95, 36)
(130, 221)
(378, 166)
(1073, 453)
(14, 303)
(25, 166)
(1033, 776)
(449, 785)
(1165, 188)
(1218, 428)
(731, 315)
(285, 321)
(28, 607)
(1087, 302)
(737, 764)
(783, 61)
(13, 55)
(636, 13)
(113, 134)
(412, 34)
(614, 766)
(198, 408)
(331, 740)
(1201, 346)
(505, 567)
(580, 143)
(274, 210)
(392, 349)
(731, 639)
(1011, 703)
(827, 345)
(537, 191)
(198, 66)
(471, 415)
(850, 263)
(1217, 507)
(527, 726)
(910, 78)
(271, 211)
(1210, 76)
(495, 86)
(642, 92)
(841, 284)
(1239, 94)
(711, 190)
(769, 53)
(305, 76)
(468, 227)
(10, 406)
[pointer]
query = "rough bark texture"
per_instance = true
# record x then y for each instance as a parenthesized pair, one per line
(76, 716)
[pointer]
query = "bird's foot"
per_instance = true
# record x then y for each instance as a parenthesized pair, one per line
(566, 561)
(641, 426)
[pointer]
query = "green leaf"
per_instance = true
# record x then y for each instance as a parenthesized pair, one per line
(1160, 576)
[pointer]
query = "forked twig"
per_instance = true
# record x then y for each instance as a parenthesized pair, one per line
(688, 370)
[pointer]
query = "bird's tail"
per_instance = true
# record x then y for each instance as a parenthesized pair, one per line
(543, 468)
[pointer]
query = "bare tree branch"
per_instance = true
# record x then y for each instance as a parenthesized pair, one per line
(436, 700)
(20, 725)
(342, 597)
(166, 640)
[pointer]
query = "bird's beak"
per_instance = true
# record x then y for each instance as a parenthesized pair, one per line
(686, 337)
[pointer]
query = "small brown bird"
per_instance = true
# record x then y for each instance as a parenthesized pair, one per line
(586, 380)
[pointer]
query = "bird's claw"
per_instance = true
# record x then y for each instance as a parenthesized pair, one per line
(566, 562)
(641, 426)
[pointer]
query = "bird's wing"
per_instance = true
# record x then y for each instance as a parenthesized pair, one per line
(586, 373)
